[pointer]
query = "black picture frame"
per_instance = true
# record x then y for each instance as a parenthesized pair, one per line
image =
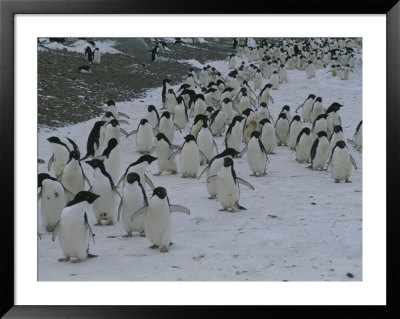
(8, 9)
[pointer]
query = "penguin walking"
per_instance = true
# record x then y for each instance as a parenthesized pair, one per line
(307, 107)
(263, 112)
(228, 186)
(133, 198)
(113, 159)
(303, 145)
(89, 54)
(139, 166)
(265, 96)
(165, 89)
(190, 157)
(320, 151)
(144, 137)
(286, 109)
(317, 109)
(217, 122)
(170, 101)
(152, 116)
(282, 129)
(158, 219)
(206, 143)
(53, 199)
(96, 56)
(256, 155)
(294, 130)
(268, 135)
(234, 134)
(73, 229)
(341, 162)
(165, 159)
(166, 126)
(214, 167)
(250, 124)
(333, 117)
(275, 81)
(95, 140)
(103, 185)
(181, 118)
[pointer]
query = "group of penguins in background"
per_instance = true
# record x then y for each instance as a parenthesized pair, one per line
(92, 54)
(208, 105)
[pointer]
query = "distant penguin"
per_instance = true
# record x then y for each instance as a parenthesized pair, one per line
(89, 54)
(282, 129)
(113, 159)
(103, 185)
(228, 186)
(144, 137)
(341, 162)
(60, 155)
(53, 199)
(275, 80)
(94, 141)
(319, 125)
(165, 159)
(258, 80)
(294, 130)
(96, 56)
(213, 168)
(317, 109)
(199, 105)
(234, 133)
(265, 96)
(73, 176)
(190, 157)
(256, 155)
(166, 87)
(158, 219)
(250, 124)
(232, 62)
(139, 166)
(154, 53)
(181, 116)
(85, 69)
(244, 102)
(310, 69)
(133, 198)
(217, 122)
(263, 112)
(282, 73)
(303, 145)
(205, 143)
(73, 228)
(268, 135)
(307, 107)
(320, 151)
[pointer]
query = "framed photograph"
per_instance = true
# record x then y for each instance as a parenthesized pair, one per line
(121, 112)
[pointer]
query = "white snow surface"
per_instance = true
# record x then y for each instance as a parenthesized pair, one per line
(299, 225)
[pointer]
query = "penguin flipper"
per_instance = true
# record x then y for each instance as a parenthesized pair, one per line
(299, 107)
(351, 142)
(55, 231)
(244, 150)
(205, 157)
(177, 126)
(175, 153)
(215, 145)
(88, 226)
(211, 178)
(139, 212)
(123, 121)
(124, 132)
(179, 209)
(119, 209)
(39, 196)
(85, 178)
(175, 147)
(242, 181)
(204, 170)
(131, 133)
(121, 179)
(76, 148)
(51, 160)
(271, 98)
(149, 182)
(116, 190)
(353, 162)
(123, 114)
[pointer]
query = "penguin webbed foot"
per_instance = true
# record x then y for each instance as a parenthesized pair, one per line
(164, 249)
(128, 235)
(98, 223)
(153, 246)
(347, 181)
(212, 197)
(76, 261)
(157, 174)
(63, 260)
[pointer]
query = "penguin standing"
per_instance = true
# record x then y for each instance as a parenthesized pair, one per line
(158, 219)
(317, 109)
(232, 62)
(152, 116)
(139, 166)
(303, 145)
(170, 101)
(213, 168)
(89, 54)
(94, 141)
(333, 117)
(310, 69)
(133, 198)
(199, 105)
(205, 143)
(319, 125)
(320, 151)
(228, 186)
(113, 159)
(336, 136)
(265, 96)
(307, 107)
(181, 117)
(282, 73)
(341, 162)
(217, 122)
(258, 80)
(263, 112)
(268, 136)
(60, 155)
(165, 159)
(144, 137)
(275, 80)
(286, 109)
(96, 56)
(53, 200)
(234, 134)
(166, 126)
(73, 228)
(294, 130)
(190, 157)
(282, 129)
(103, 185)
(256, 155)
(166, 87)
(250, 124)
(113, 130)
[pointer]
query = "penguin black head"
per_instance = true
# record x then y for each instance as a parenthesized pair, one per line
(340, 144)
(247, 112)
(190, 137)
(42, 177)
(55, 139)
(114, 122)
(200, 96)
(160, 192)
(204, 124)
(229, 151)
(228, 162)
(318, 99)
(179, 99)
(282, 116)
(255, 134)
(132, 177)
(337, 128)
(95, 163)
(226, 100)
(145, 158)
(171, 91)
(321, 116)
(166, 114)
(311, 96)
(306, 130)
(263, 104)
(322, 133)
(83, 196)
(282, 65)
(166, 81)
(160, 136)
(75, 154)
(109, 114)
(112, 143)
(200, 117)
(286, 108)
(110, 102)
(143, 121)
(263, 121)
(237, 118)
(151, 108)
(336, 105)
(296, 118)
(210, 109)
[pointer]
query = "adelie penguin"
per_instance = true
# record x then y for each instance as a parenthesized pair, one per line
(307, 107)
(341, 162)
(85, 69)
(294, 129)
(94, 142)
(165, 159)
(357, 137)
(73, 228)
(113, 159)
(166, 87)
(181, 118)
(103, 185)
(303, 145)
(268, 135)
(139, 166)
(320, 151)
(111, 107)
(282, 129)
(256, 155)
(60, 157)
(89, 54)
(152, 116)
(206, 143)
(133, 198)
(96, 56)
(144, 137)
(234, 134)
(217, 122)
(167, 125)
(319, 124)
(228, 186)
(158, 219)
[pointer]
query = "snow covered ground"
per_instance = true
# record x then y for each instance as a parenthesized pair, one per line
(299, 225)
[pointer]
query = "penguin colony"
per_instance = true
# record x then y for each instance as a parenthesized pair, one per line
(208, 105)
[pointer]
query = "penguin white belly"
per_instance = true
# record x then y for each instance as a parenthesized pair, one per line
(132, 201)
(152, 118)
(52, 202)
(61, 157)
(227, 109)
(321, 125)
(205, 143)
(228, 191)
(317, 110)
(303, 148)
(167, 128)
(234, 140)
(158, 222)
(268, 138)
(275, 81)
(358, 138)
(104, 206)
(256, 158)
(180, 116)
(251, 125)
(96, 58)
(73, 233)
(258, 80)
(218, 126)
(214, 170)
(72, 177)
(144, 138)
(294, 131)
(111, 132)
(307, 107)
(340, 165)
(282, 75)
(321, 155)
(336, 137)
(199, 107)
(171, 103)
(139, 169)
(163, 151)
(263, 113)
(282, 132)
(190, 159)
(112, 164)
(99, 150)
(244, 104)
